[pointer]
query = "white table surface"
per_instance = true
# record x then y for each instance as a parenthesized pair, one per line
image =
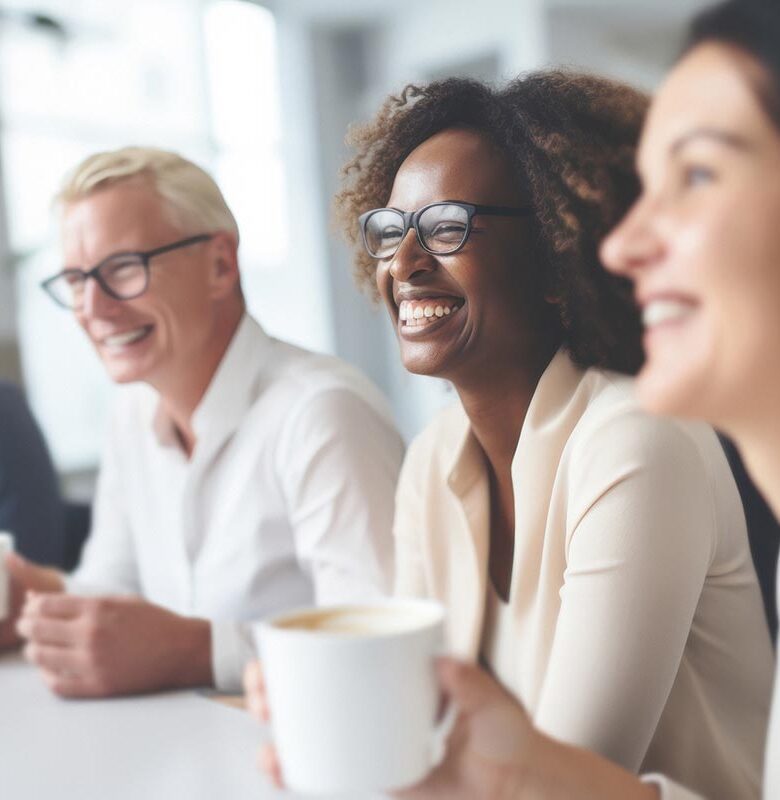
(164, 746)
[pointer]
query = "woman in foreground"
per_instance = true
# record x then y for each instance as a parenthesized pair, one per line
(592, 558)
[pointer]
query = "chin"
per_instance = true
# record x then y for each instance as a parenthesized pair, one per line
(125, 371)
(124, 375)
(433, 365)
(677, 390)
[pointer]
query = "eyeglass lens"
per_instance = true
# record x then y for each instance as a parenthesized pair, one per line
(442, 228)
(124, 276)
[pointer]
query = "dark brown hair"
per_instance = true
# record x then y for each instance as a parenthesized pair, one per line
(571, 142)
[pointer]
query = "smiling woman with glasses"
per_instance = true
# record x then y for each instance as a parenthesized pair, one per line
(122, 276)
(592, 558)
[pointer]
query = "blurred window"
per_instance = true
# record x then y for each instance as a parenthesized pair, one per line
(199, 78)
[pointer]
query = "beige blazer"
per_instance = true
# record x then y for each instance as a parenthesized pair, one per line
(637, 621)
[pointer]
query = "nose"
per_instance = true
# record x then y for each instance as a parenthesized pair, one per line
(410, 259)
(634, 244)
(96, 303)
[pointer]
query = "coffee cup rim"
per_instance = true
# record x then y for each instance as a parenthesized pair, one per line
(434, 607)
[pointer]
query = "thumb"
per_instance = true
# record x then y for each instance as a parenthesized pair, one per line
(468, 686)
(499, 728)
(32, 576)
(17, 565)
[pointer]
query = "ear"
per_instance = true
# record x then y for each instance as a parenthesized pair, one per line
(223, 264)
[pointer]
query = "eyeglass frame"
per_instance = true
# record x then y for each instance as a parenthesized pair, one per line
(145, 257)
(411, 219)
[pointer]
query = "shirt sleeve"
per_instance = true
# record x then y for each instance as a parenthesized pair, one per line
(231, 649)
(668, 790)
(410, 572)
(339, 466)
(108, 563)
(641, 539)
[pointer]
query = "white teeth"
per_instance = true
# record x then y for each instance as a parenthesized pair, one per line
(417, 315)
(121, 339)
(660, 311)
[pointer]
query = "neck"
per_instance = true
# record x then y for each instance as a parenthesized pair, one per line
(757, 434)
(761, 452)
(182, 392)
(497, 405)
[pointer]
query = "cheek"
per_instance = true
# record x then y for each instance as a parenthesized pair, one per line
(384, 284)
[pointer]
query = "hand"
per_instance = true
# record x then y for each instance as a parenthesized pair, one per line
(490, 745)
(257, 703)
(495, 752)
(102, 646)
(485, 749)
(24, 576)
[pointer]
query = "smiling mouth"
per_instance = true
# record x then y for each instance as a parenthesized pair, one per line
(413, 314)
(127, 338)
(664, 312)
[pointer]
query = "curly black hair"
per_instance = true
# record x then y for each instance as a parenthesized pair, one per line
(571, 140)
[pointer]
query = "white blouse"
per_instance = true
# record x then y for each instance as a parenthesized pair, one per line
(635, 618)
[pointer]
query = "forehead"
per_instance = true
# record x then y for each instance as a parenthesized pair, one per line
(126, 215)
(712, 87)
(455, 164)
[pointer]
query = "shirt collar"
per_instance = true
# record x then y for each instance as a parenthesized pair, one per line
(231, 391)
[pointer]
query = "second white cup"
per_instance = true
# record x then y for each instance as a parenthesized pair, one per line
(6, 546)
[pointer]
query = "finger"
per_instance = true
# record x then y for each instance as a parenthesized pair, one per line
(17, 566)
(253, 677)
(61, 606)
(43, 630)
(256, 695)
(269, 763)
(55, 659)
(468, 686)
(69, 684)
(8, 636)
(257, 704)
(30, 575)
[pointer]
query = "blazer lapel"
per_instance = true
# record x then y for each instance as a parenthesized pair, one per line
(468, 546)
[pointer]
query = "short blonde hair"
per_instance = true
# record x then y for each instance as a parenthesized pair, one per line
(190, 193)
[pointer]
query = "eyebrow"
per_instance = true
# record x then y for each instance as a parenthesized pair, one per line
(726, 138)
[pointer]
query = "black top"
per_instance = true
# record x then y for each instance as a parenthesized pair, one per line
(763, 533)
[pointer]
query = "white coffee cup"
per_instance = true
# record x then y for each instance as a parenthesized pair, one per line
(6, 546)
(352, 694)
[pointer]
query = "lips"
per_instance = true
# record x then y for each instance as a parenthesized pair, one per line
(126, 338)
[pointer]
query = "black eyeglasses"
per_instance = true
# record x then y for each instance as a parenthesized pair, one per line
(441, 228)
(122, 276)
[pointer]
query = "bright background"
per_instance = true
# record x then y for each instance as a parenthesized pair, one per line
(261, 94)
